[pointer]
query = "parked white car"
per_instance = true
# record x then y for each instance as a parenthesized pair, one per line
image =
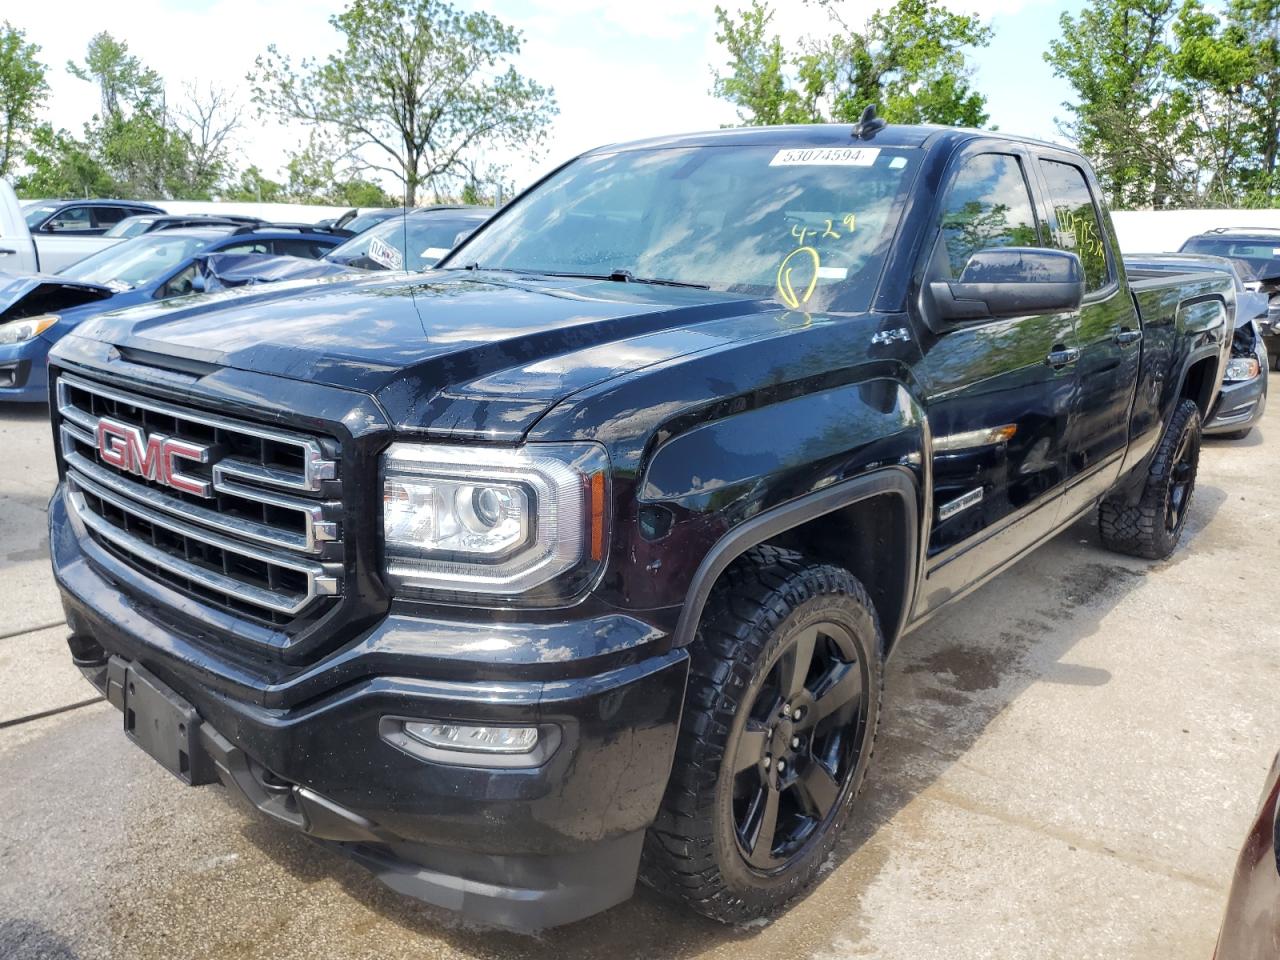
(67, 231)
(17, 249)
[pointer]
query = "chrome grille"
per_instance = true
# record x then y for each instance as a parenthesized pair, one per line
(265, 541)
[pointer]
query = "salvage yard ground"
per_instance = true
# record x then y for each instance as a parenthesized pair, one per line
(1067, 766)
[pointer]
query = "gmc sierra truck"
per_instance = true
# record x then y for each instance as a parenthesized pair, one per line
(578, 558)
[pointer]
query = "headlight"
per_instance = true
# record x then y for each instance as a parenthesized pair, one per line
(16, 331)
(1241, 368)
(493, 521)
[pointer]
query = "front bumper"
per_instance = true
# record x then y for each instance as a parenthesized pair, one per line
(520, 847)
(24, 374)
(1240, 405)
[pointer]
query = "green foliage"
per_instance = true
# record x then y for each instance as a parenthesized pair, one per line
(58, 165)
(416, 87)
(910, 60)
(22, 93)
(315, 177)
(1175, 104)
(759, 85)
(252, 187)
(147, 150)
(122, 80)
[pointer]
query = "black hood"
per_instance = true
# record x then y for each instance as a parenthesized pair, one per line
(422, 343)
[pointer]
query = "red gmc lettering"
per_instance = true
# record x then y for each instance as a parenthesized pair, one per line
(127, 448)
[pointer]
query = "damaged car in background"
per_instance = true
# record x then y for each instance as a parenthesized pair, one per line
(38, 310)
(415, 241)
(1243, 396)
(1256, 251)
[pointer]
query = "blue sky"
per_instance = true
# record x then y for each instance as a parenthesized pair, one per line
(621, 70)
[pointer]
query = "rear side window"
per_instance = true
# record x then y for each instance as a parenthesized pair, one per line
(104, 217)
(1076, 226)
(988, 205)
(250, 246)
(302, 248)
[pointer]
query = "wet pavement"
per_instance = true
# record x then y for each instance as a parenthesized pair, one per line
(1068, 761)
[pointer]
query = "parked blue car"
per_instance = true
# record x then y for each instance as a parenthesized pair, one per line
(37, 310)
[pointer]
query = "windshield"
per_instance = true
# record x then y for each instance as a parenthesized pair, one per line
(1261, 258)
(364, 221)
(35, 214)
(383, 247)
(133, 263)
(130, 227)
(809, 226)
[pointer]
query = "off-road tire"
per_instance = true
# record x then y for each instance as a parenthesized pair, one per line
(1143, 529)
(759, 606)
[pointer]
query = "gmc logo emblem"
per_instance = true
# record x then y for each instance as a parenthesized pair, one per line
(156, 457)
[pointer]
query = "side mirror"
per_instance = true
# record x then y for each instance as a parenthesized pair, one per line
(1011, 282)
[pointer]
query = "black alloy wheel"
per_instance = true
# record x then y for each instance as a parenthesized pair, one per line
(1148, 521)
(1182, 481)
(781, 711)
(796, 755)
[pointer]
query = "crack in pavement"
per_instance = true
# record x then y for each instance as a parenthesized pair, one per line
(17, 721)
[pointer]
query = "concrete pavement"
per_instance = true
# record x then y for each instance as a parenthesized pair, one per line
(1068, 762)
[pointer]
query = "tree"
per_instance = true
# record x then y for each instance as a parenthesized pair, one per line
(253, 187)
(758, 84)
(316, 177)
(1227, 68)
(121, 78)
(22, 92)
(417, 85)
(1175, 104)
(149, 150)
(207, 121)
(58, 165)
(1126, 120)
(910, 60)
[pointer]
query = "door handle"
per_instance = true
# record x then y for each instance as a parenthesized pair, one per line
(1061, 356)
(6, 252)
(1127, 336)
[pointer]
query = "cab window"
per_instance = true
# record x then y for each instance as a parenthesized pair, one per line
(988, 205)
(1076, 226)
(253, 246)
(71, 220)
(179, 284)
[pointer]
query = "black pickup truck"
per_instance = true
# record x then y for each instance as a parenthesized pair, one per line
(578, 558)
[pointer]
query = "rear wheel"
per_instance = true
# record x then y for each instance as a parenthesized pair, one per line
(1152, 527)
(779, 725)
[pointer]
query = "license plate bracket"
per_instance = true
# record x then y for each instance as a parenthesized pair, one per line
(159, 721)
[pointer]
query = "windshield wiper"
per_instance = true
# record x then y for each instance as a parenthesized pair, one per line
(626, 276)
(618, 276)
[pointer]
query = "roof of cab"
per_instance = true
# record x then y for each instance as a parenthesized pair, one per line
(820, 135)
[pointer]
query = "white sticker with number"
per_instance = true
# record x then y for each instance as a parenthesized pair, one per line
(384, 253)
(826, 157)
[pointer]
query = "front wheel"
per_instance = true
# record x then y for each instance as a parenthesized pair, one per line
(780, 721)
(1152, 527)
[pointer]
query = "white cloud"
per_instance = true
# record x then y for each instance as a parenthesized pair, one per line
(621, 70)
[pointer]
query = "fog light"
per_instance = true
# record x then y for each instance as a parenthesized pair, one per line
(473, 739)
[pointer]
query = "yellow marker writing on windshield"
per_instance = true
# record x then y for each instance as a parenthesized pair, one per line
(786, 290)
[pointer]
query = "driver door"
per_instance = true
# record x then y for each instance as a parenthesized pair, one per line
(999, 392)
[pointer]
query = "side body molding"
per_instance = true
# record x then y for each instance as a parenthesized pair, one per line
(897, 481)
